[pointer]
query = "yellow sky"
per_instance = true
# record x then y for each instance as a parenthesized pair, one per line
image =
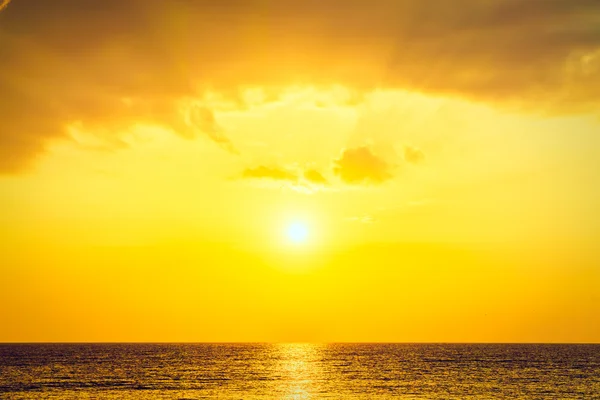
(444, 164)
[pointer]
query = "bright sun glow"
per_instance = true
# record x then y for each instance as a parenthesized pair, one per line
(297, 232)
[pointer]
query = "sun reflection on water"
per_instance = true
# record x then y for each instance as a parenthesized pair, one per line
(299, 366)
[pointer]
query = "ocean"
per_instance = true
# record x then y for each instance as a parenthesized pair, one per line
(299, 371)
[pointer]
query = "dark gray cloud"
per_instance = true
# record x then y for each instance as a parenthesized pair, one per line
(75, 60)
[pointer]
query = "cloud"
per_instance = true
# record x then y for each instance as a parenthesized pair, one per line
(413, 155)
(204, 119)
(264, 172)
(309, 181)
(314, 176)
(539, 55)
(359, 165)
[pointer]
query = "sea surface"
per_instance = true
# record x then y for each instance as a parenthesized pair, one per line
(299, 371)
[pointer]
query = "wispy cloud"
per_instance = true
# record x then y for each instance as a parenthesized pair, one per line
(275, 173)
(364, 219)
(204, 119)
(296, 179)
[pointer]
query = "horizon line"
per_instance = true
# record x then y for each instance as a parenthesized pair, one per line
(295, 342)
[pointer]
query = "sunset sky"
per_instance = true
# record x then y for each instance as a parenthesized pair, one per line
(316, 170)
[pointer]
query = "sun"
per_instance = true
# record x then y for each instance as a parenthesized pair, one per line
(297, 232)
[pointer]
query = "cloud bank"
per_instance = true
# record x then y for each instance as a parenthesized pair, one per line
(118, 62)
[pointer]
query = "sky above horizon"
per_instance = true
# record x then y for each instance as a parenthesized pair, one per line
(389, 170)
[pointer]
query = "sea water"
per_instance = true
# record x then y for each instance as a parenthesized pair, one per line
(299, 371)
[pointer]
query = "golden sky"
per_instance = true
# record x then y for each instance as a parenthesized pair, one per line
(253, 170)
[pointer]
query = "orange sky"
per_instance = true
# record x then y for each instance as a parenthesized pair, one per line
(442, 160)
